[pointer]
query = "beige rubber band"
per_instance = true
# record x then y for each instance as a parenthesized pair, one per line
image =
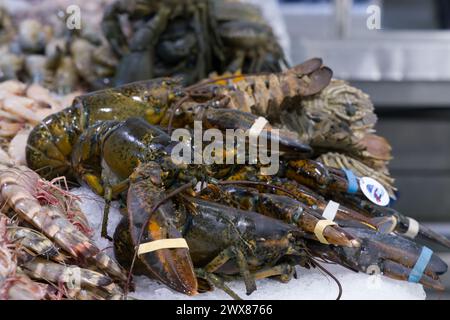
(257, 127)
(413, 229)
(162, 244)
(320, 226)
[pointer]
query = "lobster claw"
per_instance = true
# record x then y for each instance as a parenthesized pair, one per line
(319, 80)
(172, 266)
(397, 271)
(402, 224)
(319, 76)
(308, 66)
(394, 256)
(224, 119)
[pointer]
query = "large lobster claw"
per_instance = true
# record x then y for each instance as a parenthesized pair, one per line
(224, 119)
(173, 266)
(392, 255)
(424, 233)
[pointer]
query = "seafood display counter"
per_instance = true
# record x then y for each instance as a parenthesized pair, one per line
(309, 285)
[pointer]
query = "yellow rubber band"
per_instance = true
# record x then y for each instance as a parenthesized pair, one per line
(320, 226)
(162, 244)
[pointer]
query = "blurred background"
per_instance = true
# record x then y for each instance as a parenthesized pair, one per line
(403, 62)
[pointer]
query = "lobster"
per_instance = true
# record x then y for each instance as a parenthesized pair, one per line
(224, 242)
(389, 254)
(106, 157)
(334, 183)
(165, 102)
(189, 38)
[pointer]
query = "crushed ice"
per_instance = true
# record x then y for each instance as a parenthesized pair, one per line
(311, 284)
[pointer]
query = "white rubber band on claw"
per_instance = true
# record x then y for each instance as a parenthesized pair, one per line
(413, 229)
(179, 243)
(330, 211)
(257, 127)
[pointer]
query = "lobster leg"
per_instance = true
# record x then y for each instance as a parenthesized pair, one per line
(237, 63)
(227, 254)
(94, 183)
(139, 61)
(219, 261)
(108, 198)
(200, 27)
(249, 280)
(109, 192)
(216, 282)
(283, 272)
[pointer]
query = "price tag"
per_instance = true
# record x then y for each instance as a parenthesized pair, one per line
(374, 191)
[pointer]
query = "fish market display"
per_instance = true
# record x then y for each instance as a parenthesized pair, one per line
(169, 73)
(117, 141)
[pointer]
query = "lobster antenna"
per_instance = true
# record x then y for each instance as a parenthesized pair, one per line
(172, 111)
(314, 262)
(141, 234)
(259, 183)
(212, 81)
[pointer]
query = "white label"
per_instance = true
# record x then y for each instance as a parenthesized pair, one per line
(374, 191)
(330, 211)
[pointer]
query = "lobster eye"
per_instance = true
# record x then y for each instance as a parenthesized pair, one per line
(297, 214)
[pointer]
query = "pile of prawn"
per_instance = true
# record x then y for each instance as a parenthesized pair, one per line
(46, 250)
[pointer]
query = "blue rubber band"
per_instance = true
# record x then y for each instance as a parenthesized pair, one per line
(352, 181)
(420, 266)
